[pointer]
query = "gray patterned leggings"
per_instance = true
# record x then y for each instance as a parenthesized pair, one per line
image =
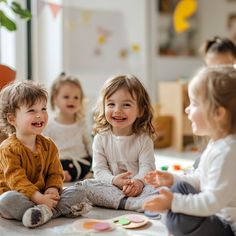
(73, 202)
(109, 196)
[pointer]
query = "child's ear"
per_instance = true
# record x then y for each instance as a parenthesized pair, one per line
(11, 118)
(220, 113)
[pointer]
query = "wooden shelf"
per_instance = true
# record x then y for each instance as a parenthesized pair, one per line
(173, 99)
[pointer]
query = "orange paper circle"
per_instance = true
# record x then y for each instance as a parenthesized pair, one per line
(89, 224)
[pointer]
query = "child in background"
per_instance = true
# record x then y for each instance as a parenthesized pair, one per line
(68, 128)
(218, 51)
(31, 176)
(123, 150)
(204, 202)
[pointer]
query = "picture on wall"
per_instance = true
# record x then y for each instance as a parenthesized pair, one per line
(171, 42)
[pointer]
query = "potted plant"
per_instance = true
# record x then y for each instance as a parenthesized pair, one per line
(14, 6)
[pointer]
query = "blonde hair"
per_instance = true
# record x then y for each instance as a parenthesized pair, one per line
(15, 95)
(135, 88)
(215, 87)
(58, 83)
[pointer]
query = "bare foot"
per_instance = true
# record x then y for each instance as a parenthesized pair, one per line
(67, 176)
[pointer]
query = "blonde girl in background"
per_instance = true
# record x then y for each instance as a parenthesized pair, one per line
(31, 176)
(204, 202)
(68, 129)
(123, 150)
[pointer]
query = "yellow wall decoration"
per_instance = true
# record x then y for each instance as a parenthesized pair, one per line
(101, 39)
(135, 47)
(183, 10)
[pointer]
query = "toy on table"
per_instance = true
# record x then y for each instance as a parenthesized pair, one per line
(164, 168)
(176, 167)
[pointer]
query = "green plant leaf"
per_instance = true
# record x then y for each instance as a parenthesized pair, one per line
(23, 13)
(7, 22)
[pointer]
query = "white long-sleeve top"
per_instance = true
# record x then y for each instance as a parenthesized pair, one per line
(215, 179)
(72, 140)
(113, 155)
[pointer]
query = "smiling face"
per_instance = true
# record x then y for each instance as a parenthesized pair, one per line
(121, 111)
(197, 117)
(68, 99)
(31, 120)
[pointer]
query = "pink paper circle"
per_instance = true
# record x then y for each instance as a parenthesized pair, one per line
(101, 226)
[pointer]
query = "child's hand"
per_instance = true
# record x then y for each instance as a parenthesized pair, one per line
(134, 188)
(53, 193)
(160, 202)
(159, 178)
(121, 179)
(46, 199)
(49, 201)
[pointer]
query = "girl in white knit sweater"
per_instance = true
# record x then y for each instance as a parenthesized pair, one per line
(204, 202)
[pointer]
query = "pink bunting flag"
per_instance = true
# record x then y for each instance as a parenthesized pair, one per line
(55, 8)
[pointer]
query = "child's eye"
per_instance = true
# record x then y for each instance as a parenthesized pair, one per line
(44, 109)
(127, 105)
(110, 104)
(30, 110)
(66, 97)
(76, 97)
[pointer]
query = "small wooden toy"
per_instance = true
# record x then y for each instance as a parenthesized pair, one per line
(176, 167)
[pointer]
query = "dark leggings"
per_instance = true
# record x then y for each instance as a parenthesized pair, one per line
(180, 224)
(71, 168)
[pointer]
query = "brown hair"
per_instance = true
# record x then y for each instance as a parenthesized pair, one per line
(135, 88)
(218, 45)
(15, 95)
(58, 83)
(215, 86)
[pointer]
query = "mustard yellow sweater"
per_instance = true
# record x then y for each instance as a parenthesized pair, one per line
(25, 171)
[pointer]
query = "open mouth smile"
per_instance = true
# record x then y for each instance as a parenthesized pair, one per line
(38, 124)
(119, 118)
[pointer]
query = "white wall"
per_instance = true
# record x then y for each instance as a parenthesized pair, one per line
(47, 43)
(213, 17)
(136, 27)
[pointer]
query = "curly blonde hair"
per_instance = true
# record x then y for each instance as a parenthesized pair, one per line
(58, 83)
(143, 124)
(16, 94)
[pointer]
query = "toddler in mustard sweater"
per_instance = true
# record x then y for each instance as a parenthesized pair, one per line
(31, 176)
